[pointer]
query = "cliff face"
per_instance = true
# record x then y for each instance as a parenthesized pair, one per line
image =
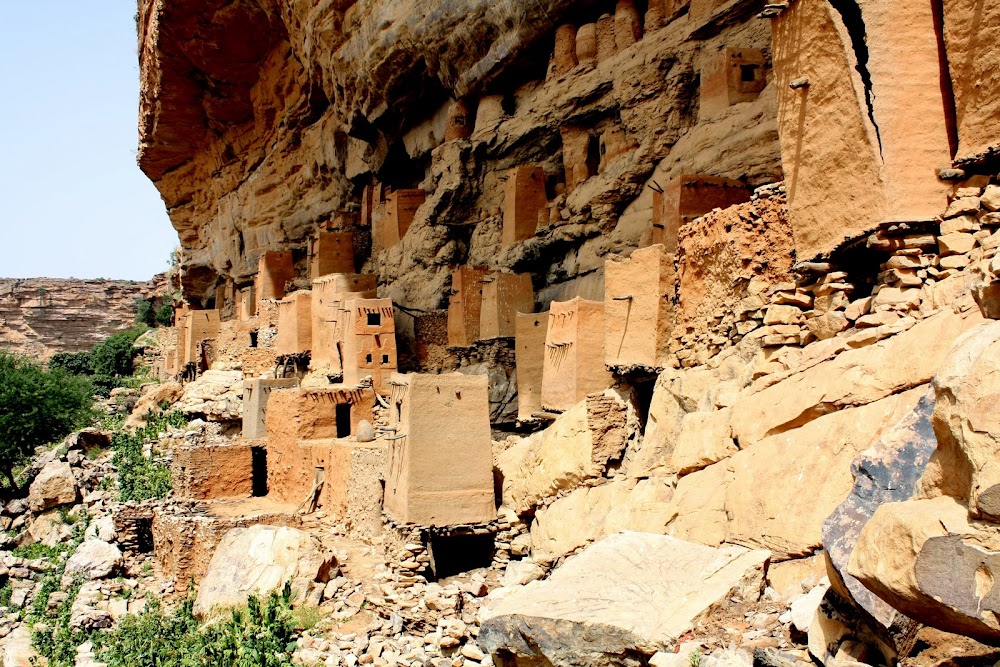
(252, 142)
(42, 316)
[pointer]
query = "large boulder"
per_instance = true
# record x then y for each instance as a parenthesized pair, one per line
(590, 513)
(215, 396)
(53, 486)
(854, 377)
(578, 446)
(258, 560)
(965, 419)
(94, 559)
(153, 397)
(618, 602)
(887, 472)
(927, 559)
(777, 494)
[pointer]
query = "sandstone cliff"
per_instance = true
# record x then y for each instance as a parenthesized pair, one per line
(42, 316)
(251, 143)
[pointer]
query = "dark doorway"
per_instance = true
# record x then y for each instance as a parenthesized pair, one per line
(454, 554)
(258, 471)
(143, 527)
(343, 416)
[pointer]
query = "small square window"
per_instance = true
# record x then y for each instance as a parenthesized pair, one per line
(368, 358)
(749, 73)
(385, 358)
(374, 319)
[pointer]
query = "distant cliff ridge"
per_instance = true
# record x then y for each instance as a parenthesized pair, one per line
(42, 316)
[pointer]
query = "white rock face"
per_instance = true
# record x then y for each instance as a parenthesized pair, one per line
(53, 486)
(258, 560)
(94, 559)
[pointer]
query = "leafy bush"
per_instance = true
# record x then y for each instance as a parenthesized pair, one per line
(140, 478)
(75, 363)
(262, 635)
(37, 406)
(165, 314)
(144, 313)
(113, 357)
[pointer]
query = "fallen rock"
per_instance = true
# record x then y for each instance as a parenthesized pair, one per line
(967, 389)
(258, 560)
(153, 397)
(927, 559)
(575, 448)
(53, 486)
(94, 559)
(521, 572)
(585, 613)
(887, 472)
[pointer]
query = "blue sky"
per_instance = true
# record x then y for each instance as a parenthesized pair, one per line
(73, 203)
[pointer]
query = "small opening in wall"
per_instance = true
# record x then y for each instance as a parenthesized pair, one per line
(750, 73)
(253, 339)
(454, 554)
(258, 471)
(143, 527)
(343, 415)
(385, 358)
(368, 358)
(374, 319)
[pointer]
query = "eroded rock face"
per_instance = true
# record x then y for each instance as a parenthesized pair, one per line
(253, 141)
(42, 316)
(576, 618)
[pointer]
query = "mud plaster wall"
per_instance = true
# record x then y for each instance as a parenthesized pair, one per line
(529, 347)
(638, 308)
(204, 471)
(974, 65)
(574, 354)
(440, 469)
(301, 429)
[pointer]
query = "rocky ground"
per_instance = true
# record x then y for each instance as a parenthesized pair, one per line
(369, 603)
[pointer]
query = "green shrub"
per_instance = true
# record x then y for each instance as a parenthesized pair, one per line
(144, 313)
(37, 406)
(262, 635)
(140, 478)
(165, 314)
(74, 363)
(113, 357)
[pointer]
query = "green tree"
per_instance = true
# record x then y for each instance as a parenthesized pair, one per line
(37, 406)
(165, 314)
(144, 313)
(113, 357)
(75, 363)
